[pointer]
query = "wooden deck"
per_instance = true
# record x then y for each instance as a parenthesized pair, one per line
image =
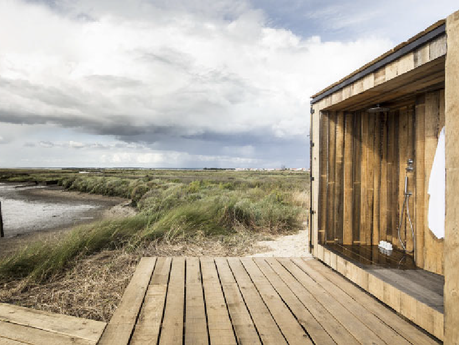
(20, 325)
(251, 301)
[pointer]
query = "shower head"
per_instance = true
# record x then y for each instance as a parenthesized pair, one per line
(377, 109)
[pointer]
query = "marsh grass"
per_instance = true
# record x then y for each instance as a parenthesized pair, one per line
(173, 207)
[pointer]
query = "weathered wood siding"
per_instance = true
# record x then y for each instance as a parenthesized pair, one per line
(362, 175)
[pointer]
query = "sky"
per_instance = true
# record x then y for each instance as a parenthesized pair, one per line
(181, 83)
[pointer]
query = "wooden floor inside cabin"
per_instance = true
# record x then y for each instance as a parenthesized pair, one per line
(397, 269)
(251, 301)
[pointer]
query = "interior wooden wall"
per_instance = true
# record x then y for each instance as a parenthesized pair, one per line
(362, 170)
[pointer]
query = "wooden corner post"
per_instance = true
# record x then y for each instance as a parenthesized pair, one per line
(451, 292)
(314, 189)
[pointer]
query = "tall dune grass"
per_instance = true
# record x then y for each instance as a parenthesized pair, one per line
(171, 207)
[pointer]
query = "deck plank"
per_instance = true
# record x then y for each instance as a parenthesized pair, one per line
(328, 321)
(289, 326)
(366, 317)
(358, 329)
(240, 317)
(148, 325)
(172, 328)
(6, 341)
(56, 323)
(318, 334)
(415, 290)
(264, 322)
(404, 328)
(195, 313)
(248, 301)
(219, 322)
(31, 335)
(121, 326)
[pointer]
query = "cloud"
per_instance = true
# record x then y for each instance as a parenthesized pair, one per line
(46, 144)
(207, 78)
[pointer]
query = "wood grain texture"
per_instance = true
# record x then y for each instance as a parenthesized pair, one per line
(364, 211)
(148, 325)
(420, 196)
(356, 176)
(377, 181)
(339, 169)
(195, 313)
(432, 117)
(330, 229)
(219, 322)
(55, 323)
(267, 327)
(172, 326)
(452, 181)
(383, 198)
(348, 187)
(323, 162)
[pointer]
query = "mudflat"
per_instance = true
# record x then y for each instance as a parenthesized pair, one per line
(30, 212)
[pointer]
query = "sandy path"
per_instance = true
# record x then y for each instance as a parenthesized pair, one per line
(285, 246)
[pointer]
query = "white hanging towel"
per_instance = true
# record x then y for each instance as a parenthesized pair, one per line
(437, 187)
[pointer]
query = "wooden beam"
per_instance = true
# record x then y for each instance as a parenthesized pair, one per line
(384, 206)
(356, 176)
(329, 231)
(323, 166)
(370, 151)
(376, 180)
(432, 117)
(348, 189)
(402, 160)
(452, 181)
(411, 177)
(420, 195)
(339, 155)
(364, 226)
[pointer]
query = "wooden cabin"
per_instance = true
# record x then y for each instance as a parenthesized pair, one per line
(364, 130)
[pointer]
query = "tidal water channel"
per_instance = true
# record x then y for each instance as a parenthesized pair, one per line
(27, 209)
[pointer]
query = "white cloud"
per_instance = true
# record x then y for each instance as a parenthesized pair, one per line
(141, 71)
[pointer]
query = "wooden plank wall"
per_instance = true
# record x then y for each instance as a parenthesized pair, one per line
(362, 176)
(452, 182)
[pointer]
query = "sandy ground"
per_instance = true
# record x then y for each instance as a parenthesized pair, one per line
(284, 246)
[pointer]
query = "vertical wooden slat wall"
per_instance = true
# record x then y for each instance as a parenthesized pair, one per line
(362, 176)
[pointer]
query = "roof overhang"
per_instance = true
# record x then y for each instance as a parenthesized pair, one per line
(417, 42)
